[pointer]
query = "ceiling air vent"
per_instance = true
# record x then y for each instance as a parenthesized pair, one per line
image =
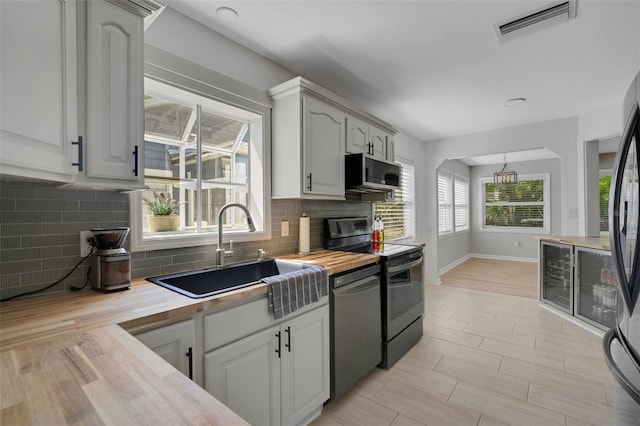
(536, 21)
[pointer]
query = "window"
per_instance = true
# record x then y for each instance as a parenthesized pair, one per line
(453, 203)
(399, 215)
(605, 187)
(522, 207)
(445, 203)
(203, 151)
(461, 207)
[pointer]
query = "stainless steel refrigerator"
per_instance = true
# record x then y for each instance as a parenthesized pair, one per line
(622, 342)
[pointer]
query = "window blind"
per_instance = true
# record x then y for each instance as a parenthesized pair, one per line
(521, 205)
(461, 198)
(605, 187)
(445, 206)
(399, 215)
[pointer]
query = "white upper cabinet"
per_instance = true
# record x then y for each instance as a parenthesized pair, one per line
(365, 138)
(38, 85)
(114, 98)
(307, 146)
(312, 130)
(322, 148)
(72, 92)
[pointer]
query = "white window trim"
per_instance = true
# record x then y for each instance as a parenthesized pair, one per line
(207, 85)
(546, 228)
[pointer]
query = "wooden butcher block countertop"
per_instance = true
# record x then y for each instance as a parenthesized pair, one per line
(598, 243)
(67, 359)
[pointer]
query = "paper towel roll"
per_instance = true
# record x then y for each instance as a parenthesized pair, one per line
(304, 234)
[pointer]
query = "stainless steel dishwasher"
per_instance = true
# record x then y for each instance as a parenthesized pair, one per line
(356, 329)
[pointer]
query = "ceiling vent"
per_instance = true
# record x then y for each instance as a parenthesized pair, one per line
(549, 16)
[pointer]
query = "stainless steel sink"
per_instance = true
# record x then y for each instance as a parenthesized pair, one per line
(209, 282)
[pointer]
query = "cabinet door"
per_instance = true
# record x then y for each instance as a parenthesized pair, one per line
(114, 93)
(305, 365)
(323, 148)
(391, 149)
(245, 376)
(174, 343)
(556, 276)
(357, 136)
(378, 143)
(38, 84)
(596, 292)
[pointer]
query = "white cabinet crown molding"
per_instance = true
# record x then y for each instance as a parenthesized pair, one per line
(301, 83)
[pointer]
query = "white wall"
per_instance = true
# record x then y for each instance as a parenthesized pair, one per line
(454, 247)
(559, 136)
(502, 244)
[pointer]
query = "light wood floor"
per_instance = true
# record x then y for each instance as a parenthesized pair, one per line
(486, 359)
(499, 276)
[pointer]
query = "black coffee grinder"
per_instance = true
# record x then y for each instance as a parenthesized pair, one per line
(110, 262)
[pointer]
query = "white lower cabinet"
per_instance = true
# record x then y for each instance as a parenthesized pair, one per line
(174, 343)
(277, 376)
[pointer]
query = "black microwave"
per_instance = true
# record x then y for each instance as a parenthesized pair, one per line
(366, 174)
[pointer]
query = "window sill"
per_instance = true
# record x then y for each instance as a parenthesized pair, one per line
(165, 242)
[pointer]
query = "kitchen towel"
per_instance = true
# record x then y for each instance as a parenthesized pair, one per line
(291, 291)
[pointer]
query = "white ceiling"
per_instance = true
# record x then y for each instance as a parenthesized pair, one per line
(435, 69)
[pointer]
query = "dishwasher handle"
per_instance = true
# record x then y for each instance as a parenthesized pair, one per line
(358, 287)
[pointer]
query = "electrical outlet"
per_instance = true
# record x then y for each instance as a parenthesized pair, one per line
(85, 248)
(284, 228)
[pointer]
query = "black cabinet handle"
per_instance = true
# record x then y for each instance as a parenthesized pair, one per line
(278, 350)
(189, 355)
(80, 164)
(310, 182)
(135, 160)
(288, 345)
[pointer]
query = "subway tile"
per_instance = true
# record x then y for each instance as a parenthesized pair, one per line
(9, 268)
(9, 243)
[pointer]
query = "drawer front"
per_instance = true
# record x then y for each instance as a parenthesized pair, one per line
(223, 327)
(235, 323)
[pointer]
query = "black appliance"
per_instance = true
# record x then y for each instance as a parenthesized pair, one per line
(356, 331)
(402, 291)
(365, 174)
(622, 342)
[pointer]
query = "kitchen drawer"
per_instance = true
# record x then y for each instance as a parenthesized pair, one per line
(223, 327)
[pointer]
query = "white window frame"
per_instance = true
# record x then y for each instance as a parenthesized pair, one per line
(466, 226)
(208, 85)
(546, 227)
(451, 190)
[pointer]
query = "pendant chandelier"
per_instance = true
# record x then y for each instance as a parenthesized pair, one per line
(505, 176)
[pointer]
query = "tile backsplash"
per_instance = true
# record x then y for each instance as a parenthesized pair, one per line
(40, 228)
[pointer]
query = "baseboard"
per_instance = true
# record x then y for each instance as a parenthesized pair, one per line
(496, 257)
(452, 265)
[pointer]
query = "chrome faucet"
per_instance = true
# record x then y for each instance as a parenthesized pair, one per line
(221, 253)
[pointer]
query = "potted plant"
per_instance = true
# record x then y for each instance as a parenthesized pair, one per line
(164, 212)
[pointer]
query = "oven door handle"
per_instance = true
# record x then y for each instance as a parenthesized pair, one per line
(405, 266)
